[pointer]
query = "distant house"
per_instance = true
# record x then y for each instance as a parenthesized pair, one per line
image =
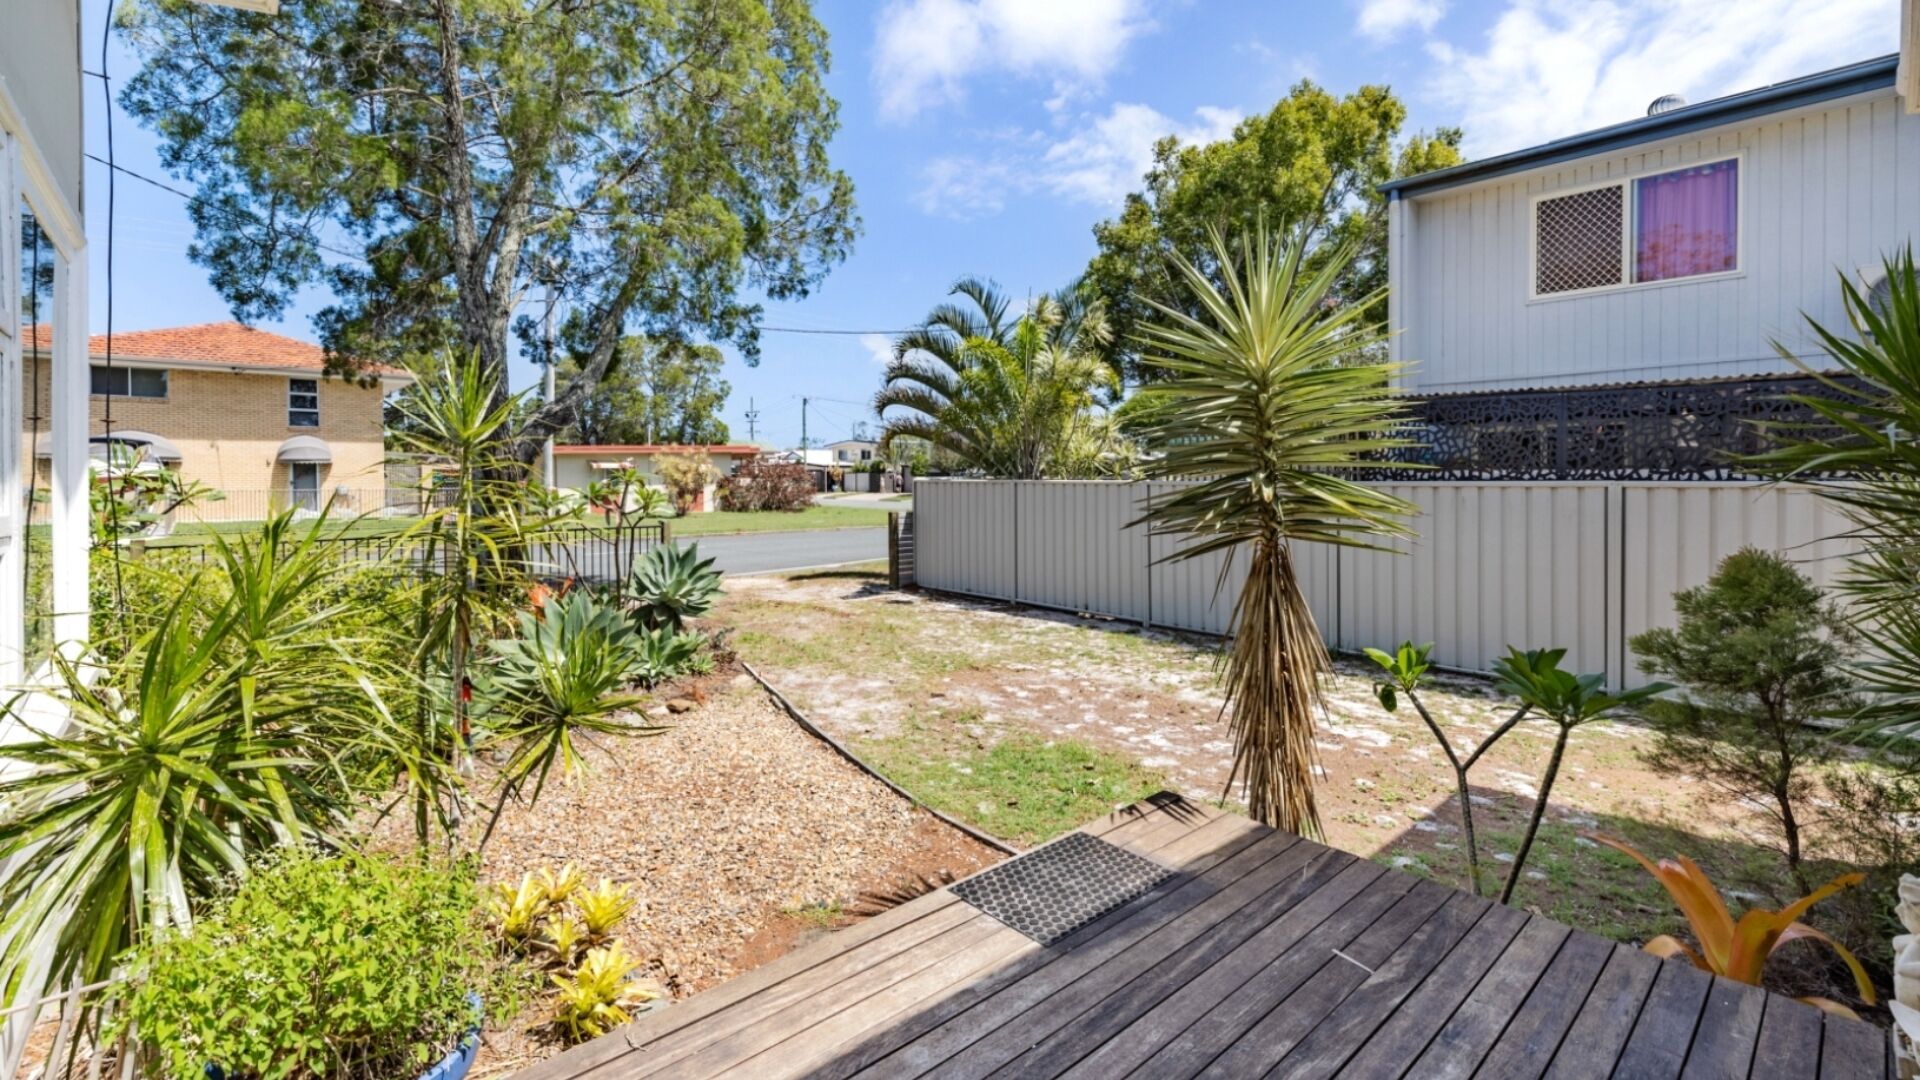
(575, 467)
(249, 413)
(1605, 306)
(853, 451)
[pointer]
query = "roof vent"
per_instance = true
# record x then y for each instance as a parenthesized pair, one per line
(1666, 103)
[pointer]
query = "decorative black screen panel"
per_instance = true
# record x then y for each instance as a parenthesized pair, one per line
(1644, 431)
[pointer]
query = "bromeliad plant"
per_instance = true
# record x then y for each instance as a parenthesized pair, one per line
(671, 585)
(1739, 949)
(1270, 404)
(601, 994)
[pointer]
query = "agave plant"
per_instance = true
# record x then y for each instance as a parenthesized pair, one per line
(672, 584)
(1739, 949)
(1268, 408)
(563, 677)
(597, 997)
(662, 654)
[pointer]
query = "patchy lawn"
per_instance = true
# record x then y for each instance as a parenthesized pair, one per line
(1025, 723)
(813, 517)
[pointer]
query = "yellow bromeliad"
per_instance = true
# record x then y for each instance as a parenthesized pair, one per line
(1739, 949)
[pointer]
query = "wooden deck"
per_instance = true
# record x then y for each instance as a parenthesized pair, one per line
(1263, 955)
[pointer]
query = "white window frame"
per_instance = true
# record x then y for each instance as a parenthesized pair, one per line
(292, 408)
(166, 380)
(1630, 207)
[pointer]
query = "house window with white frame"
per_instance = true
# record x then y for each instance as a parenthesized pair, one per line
(1676, 224)
(129, 382)
(303, 402)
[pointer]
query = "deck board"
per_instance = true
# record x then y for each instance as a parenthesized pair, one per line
(1262, 954)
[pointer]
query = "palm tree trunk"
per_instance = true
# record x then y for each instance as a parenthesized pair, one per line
(1273, 683)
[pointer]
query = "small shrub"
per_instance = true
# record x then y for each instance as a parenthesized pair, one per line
(338, 967)
(1760, 655)
(672, 585)
(768, 485)
(664, 654)
(685, 476)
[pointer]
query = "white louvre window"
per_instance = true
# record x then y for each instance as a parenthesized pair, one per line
(303, 403)
(1580, 241)
(129, 382)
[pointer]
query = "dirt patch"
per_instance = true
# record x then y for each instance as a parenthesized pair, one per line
(730, 826)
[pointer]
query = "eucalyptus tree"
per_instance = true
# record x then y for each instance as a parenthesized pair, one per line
(1012, 397)
(432, 162)
(1265, 412)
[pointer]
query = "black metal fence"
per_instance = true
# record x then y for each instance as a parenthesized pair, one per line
(583, 553)
(1646, 431)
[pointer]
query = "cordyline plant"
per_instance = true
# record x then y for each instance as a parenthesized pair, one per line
(1267, 409)
(1739, 950)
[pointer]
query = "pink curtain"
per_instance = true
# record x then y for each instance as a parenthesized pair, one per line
(1687, 222)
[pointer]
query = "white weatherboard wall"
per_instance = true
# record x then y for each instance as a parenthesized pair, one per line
(1824, 190)
(1584, 566)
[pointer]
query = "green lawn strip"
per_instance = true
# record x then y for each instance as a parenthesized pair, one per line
(1022, 788)
(721, 522)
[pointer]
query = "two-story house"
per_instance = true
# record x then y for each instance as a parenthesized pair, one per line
(1607, 305)
(251, 414)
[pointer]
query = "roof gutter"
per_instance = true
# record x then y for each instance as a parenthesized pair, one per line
(1864, 77)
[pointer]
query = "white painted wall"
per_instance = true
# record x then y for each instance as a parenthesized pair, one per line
(1823, 189)
(1584, 566)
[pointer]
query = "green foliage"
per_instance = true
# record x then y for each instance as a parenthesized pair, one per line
(1760, 655)
(663, 653)
(133, 495)
(1566, 699)
(685, 477)
(671, 585)
(1267, 411)
(1862, 450)
(1313, 158)
(650, 159)
(604, 907)
(222, 728)
(1009, 398)
(342, 967)
(563, 676)
(663, 391)
(600, 995)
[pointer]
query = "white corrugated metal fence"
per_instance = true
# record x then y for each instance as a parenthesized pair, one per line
(1582, 565)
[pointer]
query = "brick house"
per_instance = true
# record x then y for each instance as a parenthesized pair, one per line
(246, 412)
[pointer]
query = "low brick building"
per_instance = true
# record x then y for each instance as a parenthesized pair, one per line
(251, 414)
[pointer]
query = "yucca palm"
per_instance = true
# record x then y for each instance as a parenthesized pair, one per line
(220, 731)
(1265, 412)
(1862, 447)
(1011, 399)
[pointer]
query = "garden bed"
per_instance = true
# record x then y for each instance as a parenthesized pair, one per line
(742, 835)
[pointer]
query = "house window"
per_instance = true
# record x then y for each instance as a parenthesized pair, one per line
(1677, 224)
(1686, 222)
(303, 403)
(129, 382)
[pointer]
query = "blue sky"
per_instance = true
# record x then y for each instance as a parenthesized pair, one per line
(988, 136)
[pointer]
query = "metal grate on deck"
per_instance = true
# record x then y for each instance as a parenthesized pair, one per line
(1049, 893)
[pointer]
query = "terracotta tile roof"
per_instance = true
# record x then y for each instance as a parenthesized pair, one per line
(657, 448)
(225, 343)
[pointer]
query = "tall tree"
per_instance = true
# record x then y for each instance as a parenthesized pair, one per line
(432, 161)
(653, 392)
(1011, 397)
(1313, 159)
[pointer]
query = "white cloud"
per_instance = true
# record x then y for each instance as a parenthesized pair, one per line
(1106, 159)
(926, 50)
(1384, 20)
(1097, 165)
(879, 348)
(1551, 68)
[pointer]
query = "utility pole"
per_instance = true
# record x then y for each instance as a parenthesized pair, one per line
(803, 430)
(753, 417)
(546, 450)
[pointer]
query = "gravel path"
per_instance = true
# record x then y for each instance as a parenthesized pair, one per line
(728, 824)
